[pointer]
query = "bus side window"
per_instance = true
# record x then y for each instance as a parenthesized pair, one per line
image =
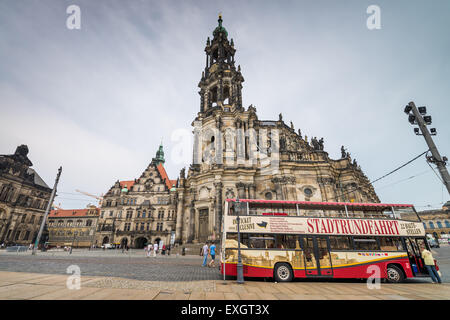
(339, 243)
(389, 244)
(287, 241)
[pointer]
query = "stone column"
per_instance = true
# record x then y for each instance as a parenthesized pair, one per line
(218, 210)
(180, 217)
(278, 182)
(252, 191)
(202, 100)
(241, 190)
(191, 233)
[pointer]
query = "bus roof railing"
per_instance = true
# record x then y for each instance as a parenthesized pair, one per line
(352, 205)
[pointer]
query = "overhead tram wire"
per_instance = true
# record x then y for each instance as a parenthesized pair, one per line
(387, 174)
(411, 177)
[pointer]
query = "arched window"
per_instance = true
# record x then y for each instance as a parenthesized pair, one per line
(424, 225)
(447, 224)
(439, 224)
(79, 222)
(144, 213)
(431, 224)
(89, 223)
(69, 223)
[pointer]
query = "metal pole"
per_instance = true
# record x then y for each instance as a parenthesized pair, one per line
(239, 266)
(434, 151)
(49, 204)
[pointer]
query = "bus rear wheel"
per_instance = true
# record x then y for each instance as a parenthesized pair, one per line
(394, 274)
(283, 272)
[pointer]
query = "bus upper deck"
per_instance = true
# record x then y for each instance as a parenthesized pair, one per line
(352, 210)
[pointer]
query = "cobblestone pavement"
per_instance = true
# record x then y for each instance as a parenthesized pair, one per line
(135, 266)
(40, 286)
(132, 266)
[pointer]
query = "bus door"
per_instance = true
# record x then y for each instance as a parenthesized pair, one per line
(317, 256)
(413, 249)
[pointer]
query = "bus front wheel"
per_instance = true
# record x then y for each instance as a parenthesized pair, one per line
(283, 272)
(394, 274)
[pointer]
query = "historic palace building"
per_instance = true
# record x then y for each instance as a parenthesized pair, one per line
(235, 155)
(23, 199)
(437, 222)
(74, 228)
(140, 211)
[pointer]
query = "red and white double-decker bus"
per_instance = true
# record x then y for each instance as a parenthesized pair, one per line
(289, 239)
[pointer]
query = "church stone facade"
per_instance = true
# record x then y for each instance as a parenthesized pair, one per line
(237, 155)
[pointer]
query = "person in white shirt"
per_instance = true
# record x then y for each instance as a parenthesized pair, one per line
(205, 254)
(155, 249)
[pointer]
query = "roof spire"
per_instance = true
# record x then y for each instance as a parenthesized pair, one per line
(160, 155)
(220, 29)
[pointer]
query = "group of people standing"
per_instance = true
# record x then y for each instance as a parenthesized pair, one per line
(208, 250)
(154, 249)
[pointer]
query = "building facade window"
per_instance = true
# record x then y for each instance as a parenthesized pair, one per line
(439, 224)
(431, 224)
(447, 224)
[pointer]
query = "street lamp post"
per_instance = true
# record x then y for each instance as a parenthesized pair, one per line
(47, 210)
(239, 266)
(418, 116)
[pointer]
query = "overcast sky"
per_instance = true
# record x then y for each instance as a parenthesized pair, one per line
(98, 100)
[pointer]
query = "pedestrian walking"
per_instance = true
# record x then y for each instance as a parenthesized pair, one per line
(163, 249)
(205, 254)
(155, 249)
(429, 264)
(149, 250)
(212, 252)
(168, 250)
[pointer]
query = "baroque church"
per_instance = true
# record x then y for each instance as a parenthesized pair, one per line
(235, 155)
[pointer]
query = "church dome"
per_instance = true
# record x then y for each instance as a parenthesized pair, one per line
(219, 28)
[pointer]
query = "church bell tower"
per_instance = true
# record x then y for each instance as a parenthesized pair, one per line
(221, 84)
